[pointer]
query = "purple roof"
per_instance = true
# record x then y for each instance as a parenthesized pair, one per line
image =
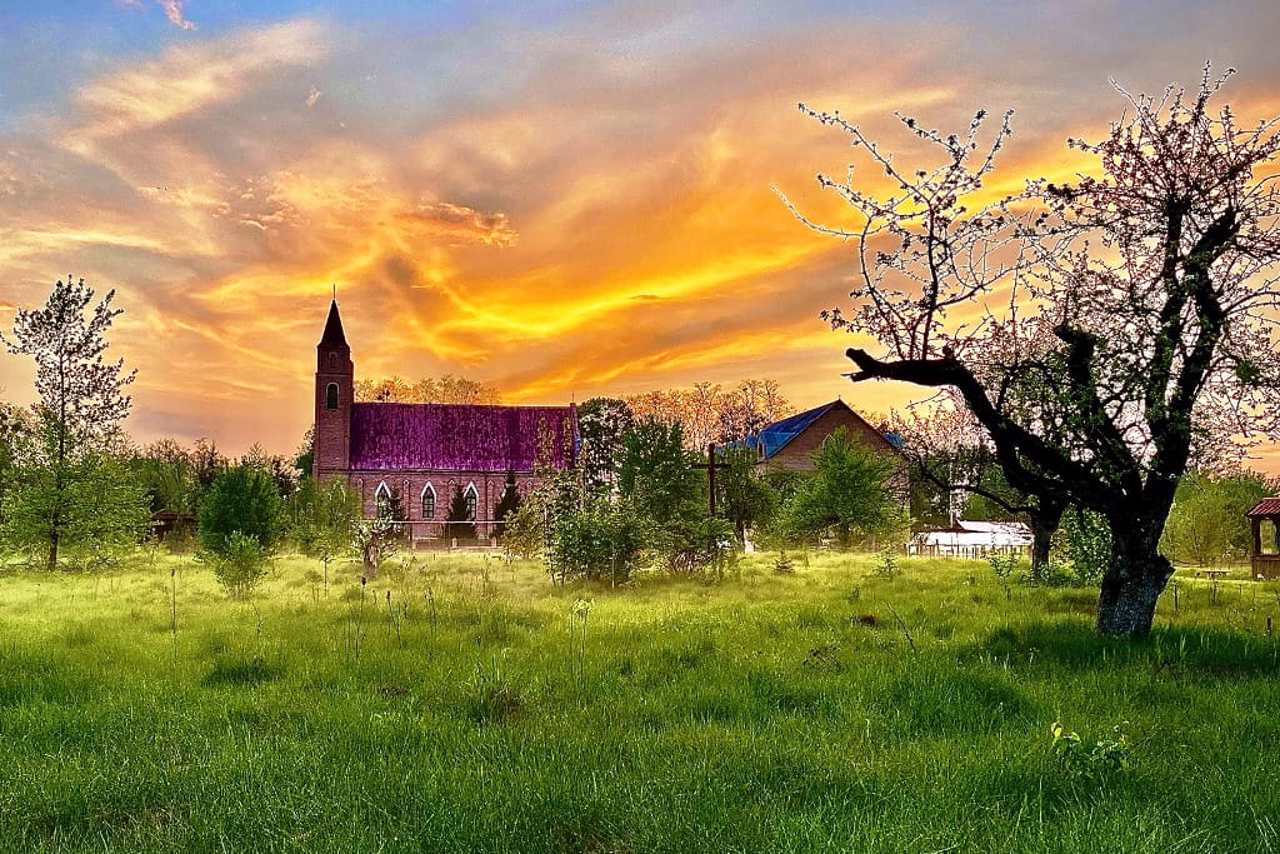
(465, 437)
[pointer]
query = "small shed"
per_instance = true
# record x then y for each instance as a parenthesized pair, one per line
(1265, 563)
(973, 539)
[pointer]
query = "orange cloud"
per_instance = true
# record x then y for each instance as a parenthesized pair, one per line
(560, 222)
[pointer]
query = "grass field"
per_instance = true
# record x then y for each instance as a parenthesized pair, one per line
(478, 710)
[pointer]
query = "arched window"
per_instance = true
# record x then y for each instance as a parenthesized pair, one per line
(333, 360)
(428, 501)
(331, 396)
(472, 496)
(382, 500)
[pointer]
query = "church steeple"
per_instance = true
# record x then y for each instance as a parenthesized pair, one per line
(335, 387)
(333, 335)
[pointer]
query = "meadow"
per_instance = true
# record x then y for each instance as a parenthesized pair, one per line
(463, 703)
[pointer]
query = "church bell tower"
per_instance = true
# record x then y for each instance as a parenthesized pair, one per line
(335, 391)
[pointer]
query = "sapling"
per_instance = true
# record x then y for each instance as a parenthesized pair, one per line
(578, 614)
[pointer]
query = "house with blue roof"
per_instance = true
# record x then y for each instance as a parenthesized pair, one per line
(790, 443)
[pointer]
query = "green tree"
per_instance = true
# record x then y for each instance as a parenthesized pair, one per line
(508, 504)
(602, 541)
(462, 516)
(80, 406)
(324, 517)
(15, 427)
(848, 493)
(742, 496)
(102, 510)
(603, 424)
(1206, 524)
(168, 474)
(657, 474)
(304, 457)
(243, 498)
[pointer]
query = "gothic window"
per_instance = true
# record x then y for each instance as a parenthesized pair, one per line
(333, 360)
(471, 496)
(331, 396)
(382, 500)
(428, 502)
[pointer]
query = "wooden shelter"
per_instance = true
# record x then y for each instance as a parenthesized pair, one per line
(1265, 564)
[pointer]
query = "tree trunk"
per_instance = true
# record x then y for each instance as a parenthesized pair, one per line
(1041, 537)
(1134, 580)
(1044, 524)
(53, 547)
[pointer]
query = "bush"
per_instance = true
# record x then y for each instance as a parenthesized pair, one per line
(601, 541)
(524, 534)
(322, 518)
(849, 494)
(1093, 762)
(242, 500)
(697, 544)
(240, 564)
(1087, 540)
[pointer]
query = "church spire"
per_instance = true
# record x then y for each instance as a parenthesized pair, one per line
(333, 335)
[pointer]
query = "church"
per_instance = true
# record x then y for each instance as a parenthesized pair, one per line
(417, 457)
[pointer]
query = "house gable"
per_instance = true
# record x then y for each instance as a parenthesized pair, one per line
(790, 443)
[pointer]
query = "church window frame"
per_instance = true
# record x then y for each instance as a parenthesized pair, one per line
(382, 501)
(428, 493)
(472, 497)
(331, 396)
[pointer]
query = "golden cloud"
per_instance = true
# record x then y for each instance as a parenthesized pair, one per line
(596, 226)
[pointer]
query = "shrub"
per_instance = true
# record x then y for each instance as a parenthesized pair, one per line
(240, 564)
(697, 544)
(887, 564)
(375, 540)
(493, 697)
(600, 541)
(523, 534)
(1088, 545)
(1095, 762)
(322, 518)
(784, 565)
(242, 499)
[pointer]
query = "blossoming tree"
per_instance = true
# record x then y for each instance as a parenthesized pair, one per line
(1102, 332)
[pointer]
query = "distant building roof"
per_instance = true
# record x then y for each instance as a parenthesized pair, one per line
(776, 436)
(466, 437)
(968, 532)
(1265, 507)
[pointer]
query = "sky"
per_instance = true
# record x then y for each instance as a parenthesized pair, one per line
(561, 199)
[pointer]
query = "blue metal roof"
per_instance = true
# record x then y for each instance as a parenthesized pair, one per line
(775, 436)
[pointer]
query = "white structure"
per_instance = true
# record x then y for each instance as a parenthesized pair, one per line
(973, 539)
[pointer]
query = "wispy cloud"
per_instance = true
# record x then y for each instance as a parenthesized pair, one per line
(173, 11)
(562, 212)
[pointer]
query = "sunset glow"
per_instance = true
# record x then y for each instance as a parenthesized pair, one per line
(560, 200)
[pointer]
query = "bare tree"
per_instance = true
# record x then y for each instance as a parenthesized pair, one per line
(444, 389)
(709, 413)
(1150, 287)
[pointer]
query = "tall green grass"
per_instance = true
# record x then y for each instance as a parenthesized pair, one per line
(475, 710)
